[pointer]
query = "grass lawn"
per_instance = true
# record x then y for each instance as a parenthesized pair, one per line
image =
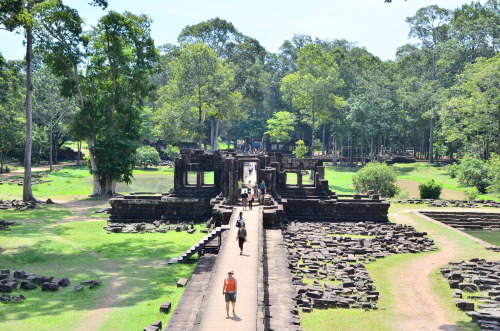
(340, 178)
(381, 270)
(40, 243)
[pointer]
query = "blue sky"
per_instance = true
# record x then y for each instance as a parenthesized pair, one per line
(373, 24)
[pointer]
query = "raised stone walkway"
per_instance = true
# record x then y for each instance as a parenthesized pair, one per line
(264, 299)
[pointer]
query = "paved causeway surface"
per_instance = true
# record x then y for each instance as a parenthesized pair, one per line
(245, 269)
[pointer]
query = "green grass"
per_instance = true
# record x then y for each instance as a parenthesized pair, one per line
(82, 250)
(423, 172)
(492, 237)
(340, 179)
(381, 270)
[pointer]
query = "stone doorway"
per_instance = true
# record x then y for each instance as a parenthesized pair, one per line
(250, 172)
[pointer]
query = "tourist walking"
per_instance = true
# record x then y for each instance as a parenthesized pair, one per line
(262, 187)
(242, 237)
(244, 200)
(240, 221)
(251, 199)
(229, 291)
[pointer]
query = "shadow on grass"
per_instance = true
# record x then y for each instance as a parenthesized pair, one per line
(403, 170)
(143, 276)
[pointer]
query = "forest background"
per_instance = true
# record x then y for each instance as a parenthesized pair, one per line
(110, 86)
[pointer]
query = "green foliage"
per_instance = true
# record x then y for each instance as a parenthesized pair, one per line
(171, 151)
(474, 172)
(430, 190)
(495, 175)
(471, 193)
(280, 126)
(147, 156)
(452, 170)
(300, 149)
(378, 177)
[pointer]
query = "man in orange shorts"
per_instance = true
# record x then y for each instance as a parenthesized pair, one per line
(229, 291)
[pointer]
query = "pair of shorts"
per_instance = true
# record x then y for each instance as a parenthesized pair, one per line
(230, 297)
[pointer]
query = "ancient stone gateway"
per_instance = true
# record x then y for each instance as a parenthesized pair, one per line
(307, 198)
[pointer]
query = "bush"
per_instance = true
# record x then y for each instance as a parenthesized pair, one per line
(147, 156)
(171, 151)
(452, 170)
(300, 149)
(474, 172)
(378, 177)
(471, 193)
(430, 190)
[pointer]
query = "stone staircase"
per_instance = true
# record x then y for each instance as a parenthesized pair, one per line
(200, 245)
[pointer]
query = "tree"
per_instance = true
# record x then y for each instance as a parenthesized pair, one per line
(199, 87)
(147, 156)
(312, 88)
(280, 126)
(110, 89)
(378, 177)
(300, 149)
(472, 116)
(430, 25)
(52, 112)
(11, 101)
(245, 56)
(14, 15)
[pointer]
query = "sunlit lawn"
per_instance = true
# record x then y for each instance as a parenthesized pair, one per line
(38, 244)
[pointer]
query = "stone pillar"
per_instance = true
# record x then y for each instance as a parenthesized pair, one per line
(299, 179)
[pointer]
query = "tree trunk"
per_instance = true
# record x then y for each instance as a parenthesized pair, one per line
(50, 146)
(431, 140)
(1, 161)
(79, 148)
(212, 133)
(371, 149)
(323, 144)
(498, 147)
(27, 191)
(334, 151)
(97, 189)
(216, 135)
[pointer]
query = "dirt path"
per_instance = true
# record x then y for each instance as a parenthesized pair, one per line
(417, 306)
(98, 314)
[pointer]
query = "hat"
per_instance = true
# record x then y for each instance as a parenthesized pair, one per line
(230, 272)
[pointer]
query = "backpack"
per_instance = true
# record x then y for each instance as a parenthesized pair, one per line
(238, 223)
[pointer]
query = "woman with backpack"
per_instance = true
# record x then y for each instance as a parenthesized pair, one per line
(242, 237)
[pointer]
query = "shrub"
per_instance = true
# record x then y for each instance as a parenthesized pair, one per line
(403, 195)
(471, 193)
(474, 172)
(300, 149)
(430, 190)
(378, 177)
(171, 151)
(147, 156)
(452, 170)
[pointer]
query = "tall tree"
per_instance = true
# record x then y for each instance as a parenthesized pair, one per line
(11, 103)
(109, 81)
(472, 115)
(18, 15)
(312, 89)
(430, 25)
(200, 86)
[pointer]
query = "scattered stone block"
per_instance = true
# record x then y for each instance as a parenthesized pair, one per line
(50, 287)
(19, 274)
(78, 288)
(27, 285)
(165, 307)
(182, 282)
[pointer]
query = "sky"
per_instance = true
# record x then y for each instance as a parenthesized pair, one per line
(379, 27)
